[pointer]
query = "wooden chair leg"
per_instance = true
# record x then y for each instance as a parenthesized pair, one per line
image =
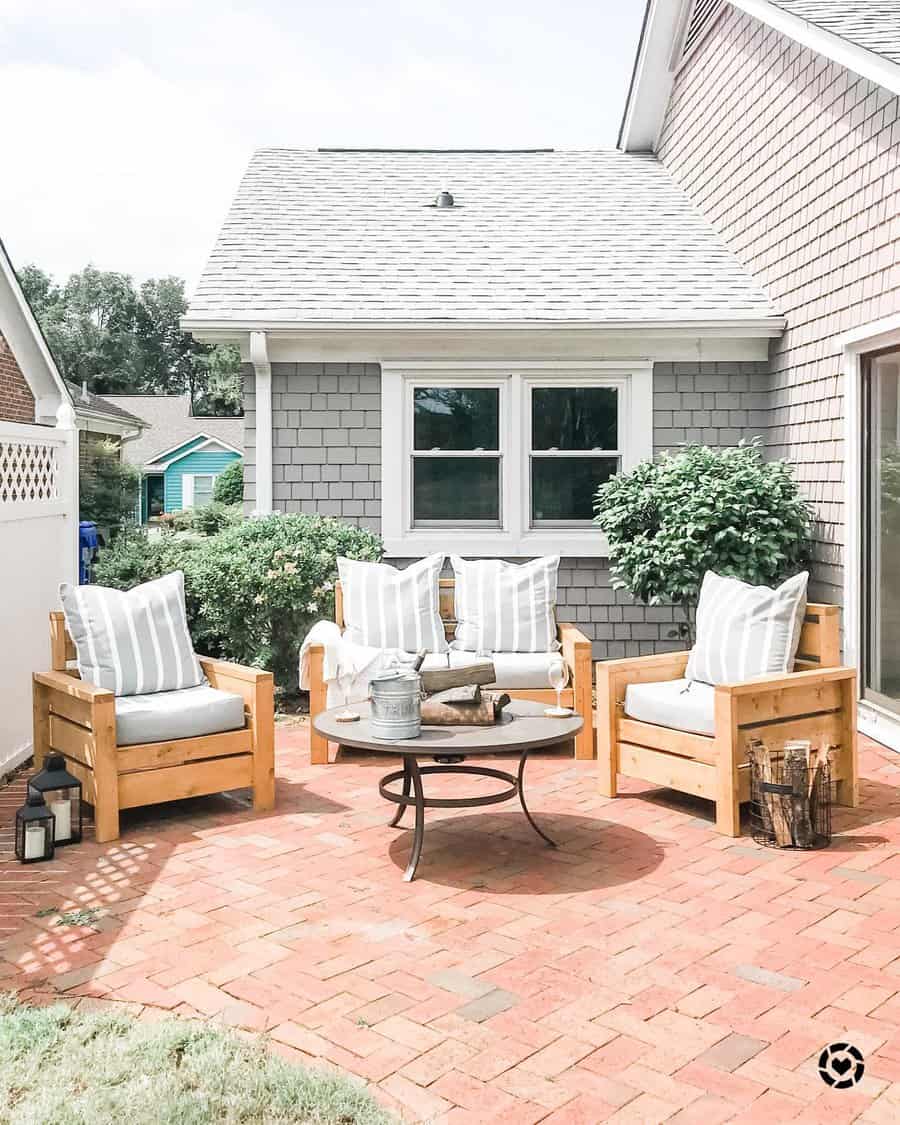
(607, 748)
(318, 745)
(728, 805)
(262, 723)
(106, 772)
(40, 706)
(581, 690)
(848, 788)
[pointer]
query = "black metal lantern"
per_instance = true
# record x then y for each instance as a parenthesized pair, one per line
(62, 796)
(34, 830)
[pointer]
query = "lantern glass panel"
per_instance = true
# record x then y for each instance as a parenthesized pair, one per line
(34, 831)
(66, 809)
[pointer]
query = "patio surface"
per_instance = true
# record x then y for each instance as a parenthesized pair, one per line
(648, 970)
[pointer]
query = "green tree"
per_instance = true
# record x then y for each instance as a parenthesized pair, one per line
(109, 488)
(229, 486)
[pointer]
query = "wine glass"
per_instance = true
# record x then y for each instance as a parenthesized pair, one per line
(558, 675)
(344, 682)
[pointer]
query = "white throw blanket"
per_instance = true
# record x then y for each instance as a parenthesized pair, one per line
(347, 668)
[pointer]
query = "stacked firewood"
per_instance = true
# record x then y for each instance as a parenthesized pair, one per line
(789, 782)
(456, 696)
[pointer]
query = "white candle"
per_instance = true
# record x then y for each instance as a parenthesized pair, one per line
(34, 841)
(62, 814)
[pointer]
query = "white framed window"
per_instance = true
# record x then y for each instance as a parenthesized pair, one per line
(197, 489)
(504, 459)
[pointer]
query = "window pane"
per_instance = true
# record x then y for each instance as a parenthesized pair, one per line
(580, 418)
(460, 489)
(562, 488)
(452, 418)
(203, 491)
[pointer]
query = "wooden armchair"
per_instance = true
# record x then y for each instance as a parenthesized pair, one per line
(816, 701)
(78, 720)
(576, 650)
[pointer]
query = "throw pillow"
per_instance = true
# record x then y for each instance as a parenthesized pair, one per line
(745, 631)
(505, 607)
(132, 642)
(389, 608)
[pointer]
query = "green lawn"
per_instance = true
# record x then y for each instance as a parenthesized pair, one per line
(59, 1067)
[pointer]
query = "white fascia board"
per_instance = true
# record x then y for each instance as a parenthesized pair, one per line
(27, 343)
(158, 466)
(651, 81)
(850, 55)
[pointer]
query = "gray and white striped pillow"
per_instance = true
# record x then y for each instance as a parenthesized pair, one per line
(745, 631)
(389, 608)
(506, 607)
(132, 642)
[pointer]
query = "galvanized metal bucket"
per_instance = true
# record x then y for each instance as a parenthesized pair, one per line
(396, 705)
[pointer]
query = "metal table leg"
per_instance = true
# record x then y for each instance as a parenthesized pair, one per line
(401, 808)
(521, 786)
(415, 855)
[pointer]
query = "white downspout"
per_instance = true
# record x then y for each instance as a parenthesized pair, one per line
(259, 357)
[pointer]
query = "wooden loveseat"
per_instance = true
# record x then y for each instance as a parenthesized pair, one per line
(575, 648)
(817, 701)
(78, 720)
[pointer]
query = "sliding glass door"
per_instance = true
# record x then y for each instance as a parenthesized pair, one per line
(881, 529)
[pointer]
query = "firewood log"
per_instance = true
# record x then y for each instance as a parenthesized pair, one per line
(438, 679)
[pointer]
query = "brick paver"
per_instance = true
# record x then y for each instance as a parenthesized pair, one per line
(646, 970)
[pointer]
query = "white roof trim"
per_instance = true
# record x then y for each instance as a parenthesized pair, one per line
(158, 465)
(861, 61)
(655, 64)
(302, 327)
(26, 340)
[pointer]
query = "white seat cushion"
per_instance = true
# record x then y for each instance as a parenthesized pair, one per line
(515, 670)
(165, 715)
(686, 705)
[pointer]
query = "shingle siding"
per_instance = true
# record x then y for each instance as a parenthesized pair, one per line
(796, 163)
(327, 459)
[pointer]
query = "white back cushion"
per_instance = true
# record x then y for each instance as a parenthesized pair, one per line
(745, 631)
(132, 642)
(504, 607)
(389, 608)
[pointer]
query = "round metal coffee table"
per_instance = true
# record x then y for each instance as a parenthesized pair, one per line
(524, 727)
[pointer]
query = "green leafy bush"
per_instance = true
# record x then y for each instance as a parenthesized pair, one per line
(108, 488)
(229, 486)
(206, 520)
(669, 521)
(252, 590)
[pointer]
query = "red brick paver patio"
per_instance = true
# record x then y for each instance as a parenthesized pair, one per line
(649, 970)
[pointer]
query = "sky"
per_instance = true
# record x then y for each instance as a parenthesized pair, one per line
(127, 123)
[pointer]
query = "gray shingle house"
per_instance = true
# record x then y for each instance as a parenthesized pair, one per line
(418, 327)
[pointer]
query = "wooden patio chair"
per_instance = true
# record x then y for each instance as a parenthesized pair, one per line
(575, 648)
(78, 720)
(817, 701)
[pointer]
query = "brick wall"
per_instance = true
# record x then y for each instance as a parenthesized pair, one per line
(796, 162)
(16, 399)
(327, 459)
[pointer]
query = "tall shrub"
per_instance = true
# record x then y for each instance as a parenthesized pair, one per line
(229, 486)
(254, 590)
(669, 521)
(108, 488)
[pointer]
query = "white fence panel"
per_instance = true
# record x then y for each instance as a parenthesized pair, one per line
(38, 550)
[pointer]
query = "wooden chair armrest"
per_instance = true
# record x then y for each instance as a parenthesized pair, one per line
(574, 644)
(216, 670)
(787, 680)
(73, 686)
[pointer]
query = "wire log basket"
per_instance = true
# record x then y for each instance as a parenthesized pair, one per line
(791, 793)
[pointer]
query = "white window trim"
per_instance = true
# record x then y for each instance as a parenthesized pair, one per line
(873, 720)
(633, 378)
(187, 487)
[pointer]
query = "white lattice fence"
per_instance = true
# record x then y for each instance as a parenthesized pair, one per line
(38, 550)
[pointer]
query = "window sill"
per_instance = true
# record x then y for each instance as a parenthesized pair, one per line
(574, 543)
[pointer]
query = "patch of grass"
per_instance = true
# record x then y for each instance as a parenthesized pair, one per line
(46, 912)
(61, 1067)
(86, 916)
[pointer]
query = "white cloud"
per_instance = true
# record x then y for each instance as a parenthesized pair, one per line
(127, 124)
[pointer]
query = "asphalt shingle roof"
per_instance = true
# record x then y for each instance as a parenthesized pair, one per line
(872, 24)
(171, 424)
(98, 405)
(596, 236)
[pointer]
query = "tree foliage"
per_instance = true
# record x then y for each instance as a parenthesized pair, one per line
(120, 339)
(108, 488)
(229, 486)
(669, 521)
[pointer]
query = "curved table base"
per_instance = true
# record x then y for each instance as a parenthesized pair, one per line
(411, 776)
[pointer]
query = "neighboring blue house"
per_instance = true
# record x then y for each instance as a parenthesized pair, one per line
(179, 455)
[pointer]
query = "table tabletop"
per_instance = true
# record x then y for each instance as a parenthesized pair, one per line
(523, 726)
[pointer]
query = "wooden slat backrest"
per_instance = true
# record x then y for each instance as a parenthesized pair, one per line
(62, 648)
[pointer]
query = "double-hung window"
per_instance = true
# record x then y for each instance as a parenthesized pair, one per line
(506, 459)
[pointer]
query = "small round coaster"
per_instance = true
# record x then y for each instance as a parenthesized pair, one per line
(347, 717)
(558, 712)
